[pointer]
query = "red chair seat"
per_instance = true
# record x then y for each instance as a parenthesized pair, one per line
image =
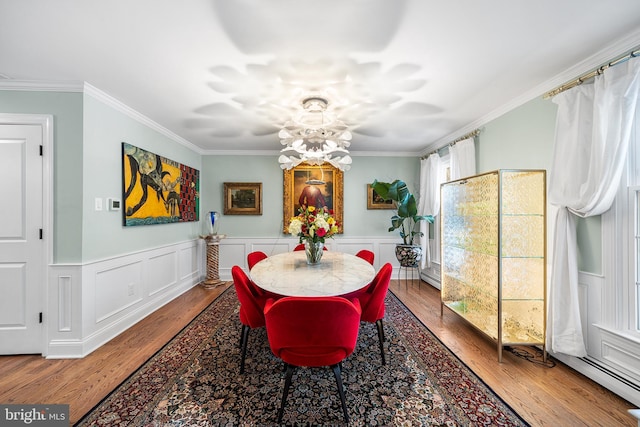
(312, 332)
(251, 308)
(366, 255)
(372, 302)
(254, 257)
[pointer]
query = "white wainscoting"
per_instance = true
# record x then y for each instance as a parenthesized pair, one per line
(234, 250)
(613, 360)
(89, 304)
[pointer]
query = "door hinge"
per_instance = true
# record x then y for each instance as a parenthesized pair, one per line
(40, 317)
(41, 232)
(41, 149)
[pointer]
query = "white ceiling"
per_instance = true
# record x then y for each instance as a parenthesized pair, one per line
(405, 75)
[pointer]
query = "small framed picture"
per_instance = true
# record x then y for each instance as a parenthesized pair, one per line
(243, 198)
(374, 201)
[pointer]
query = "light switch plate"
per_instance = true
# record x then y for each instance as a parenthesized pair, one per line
(98, 202)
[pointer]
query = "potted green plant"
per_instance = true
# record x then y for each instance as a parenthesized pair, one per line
(405, 219)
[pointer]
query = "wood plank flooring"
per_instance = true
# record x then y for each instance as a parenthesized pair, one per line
(543, 396)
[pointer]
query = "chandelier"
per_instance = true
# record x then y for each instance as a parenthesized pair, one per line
(315, 136)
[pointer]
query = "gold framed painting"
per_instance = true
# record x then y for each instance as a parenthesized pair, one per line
(242, 198)
(309, 185)
(374, 201)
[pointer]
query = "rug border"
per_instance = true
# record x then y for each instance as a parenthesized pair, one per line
(412, 315)
(149, 359)
(462, 362)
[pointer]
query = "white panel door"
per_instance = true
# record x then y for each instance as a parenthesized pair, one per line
(21, 245)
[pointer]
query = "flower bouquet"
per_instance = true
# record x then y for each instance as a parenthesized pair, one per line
(312, 226)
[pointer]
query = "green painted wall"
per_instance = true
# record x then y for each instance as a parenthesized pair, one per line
(358, 221)
(523, 139)
(105, 128)
(519, 139)
(88, 165)
(66, 109)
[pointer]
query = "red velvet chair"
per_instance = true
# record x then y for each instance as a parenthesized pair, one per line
(251, 308)
(312, 332)
(300, 247)
(372, 302)
(254, 257)
(366, 255)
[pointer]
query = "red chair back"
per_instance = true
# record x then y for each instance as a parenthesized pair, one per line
(254, 257)
(251, 305)
(373, 300)
(312, 331)
(366, 255)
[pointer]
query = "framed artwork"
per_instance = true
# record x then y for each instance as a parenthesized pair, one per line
(374, 201)
(157, 190)
(312, 185)
(243, 198)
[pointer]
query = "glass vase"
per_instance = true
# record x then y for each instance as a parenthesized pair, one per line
(212, 223)
(314, 251)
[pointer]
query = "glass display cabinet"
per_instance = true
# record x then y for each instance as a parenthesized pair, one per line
(494, 254)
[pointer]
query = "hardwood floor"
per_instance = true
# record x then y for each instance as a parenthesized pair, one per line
(543, 396)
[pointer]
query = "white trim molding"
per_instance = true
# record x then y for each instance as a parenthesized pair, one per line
(89, 304)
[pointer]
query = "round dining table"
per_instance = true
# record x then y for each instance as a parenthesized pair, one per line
(288, 274)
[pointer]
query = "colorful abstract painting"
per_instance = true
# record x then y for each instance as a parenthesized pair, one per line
(157, 190)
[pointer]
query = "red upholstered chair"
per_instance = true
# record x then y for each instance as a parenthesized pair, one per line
(300, 247)
(372, 302)
(312, 332)
(366, 255)
(251, 308)
(254, 257)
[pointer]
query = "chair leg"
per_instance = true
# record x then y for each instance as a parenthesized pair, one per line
(287, 384)
(381, 339)
(244, 340)
(336, 373)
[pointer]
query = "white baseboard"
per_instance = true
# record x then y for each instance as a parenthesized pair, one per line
(90, 304)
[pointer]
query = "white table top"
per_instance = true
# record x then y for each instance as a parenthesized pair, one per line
(289, 274)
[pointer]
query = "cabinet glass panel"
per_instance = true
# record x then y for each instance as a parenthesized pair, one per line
(493, 253)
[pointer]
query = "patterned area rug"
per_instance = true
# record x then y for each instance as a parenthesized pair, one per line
(195, 380)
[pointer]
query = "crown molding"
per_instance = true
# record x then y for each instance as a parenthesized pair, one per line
(88, 89)
(114, 103)
(276, 153)
(41, 86)
(617, 48)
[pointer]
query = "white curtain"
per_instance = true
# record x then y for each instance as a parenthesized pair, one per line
(429, 200)
(593, 129)
(463, 159)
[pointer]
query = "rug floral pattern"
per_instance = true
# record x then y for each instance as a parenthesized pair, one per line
(194, 381)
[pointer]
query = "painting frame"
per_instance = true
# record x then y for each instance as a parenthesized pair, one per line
(330, 180)
(376, 202)
(156, 189)
(251, 203)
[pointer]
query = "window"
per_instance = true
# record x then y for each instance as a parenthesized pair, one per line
(634, 288)
(434, 228)
(621, 228)
(632, 285)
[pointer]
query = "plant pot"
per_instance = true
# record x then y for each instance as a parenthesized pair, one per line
(409, 255)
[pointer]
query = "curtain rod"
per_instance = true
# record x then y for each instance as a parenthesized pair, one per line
(471, 134)
(573, 83)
